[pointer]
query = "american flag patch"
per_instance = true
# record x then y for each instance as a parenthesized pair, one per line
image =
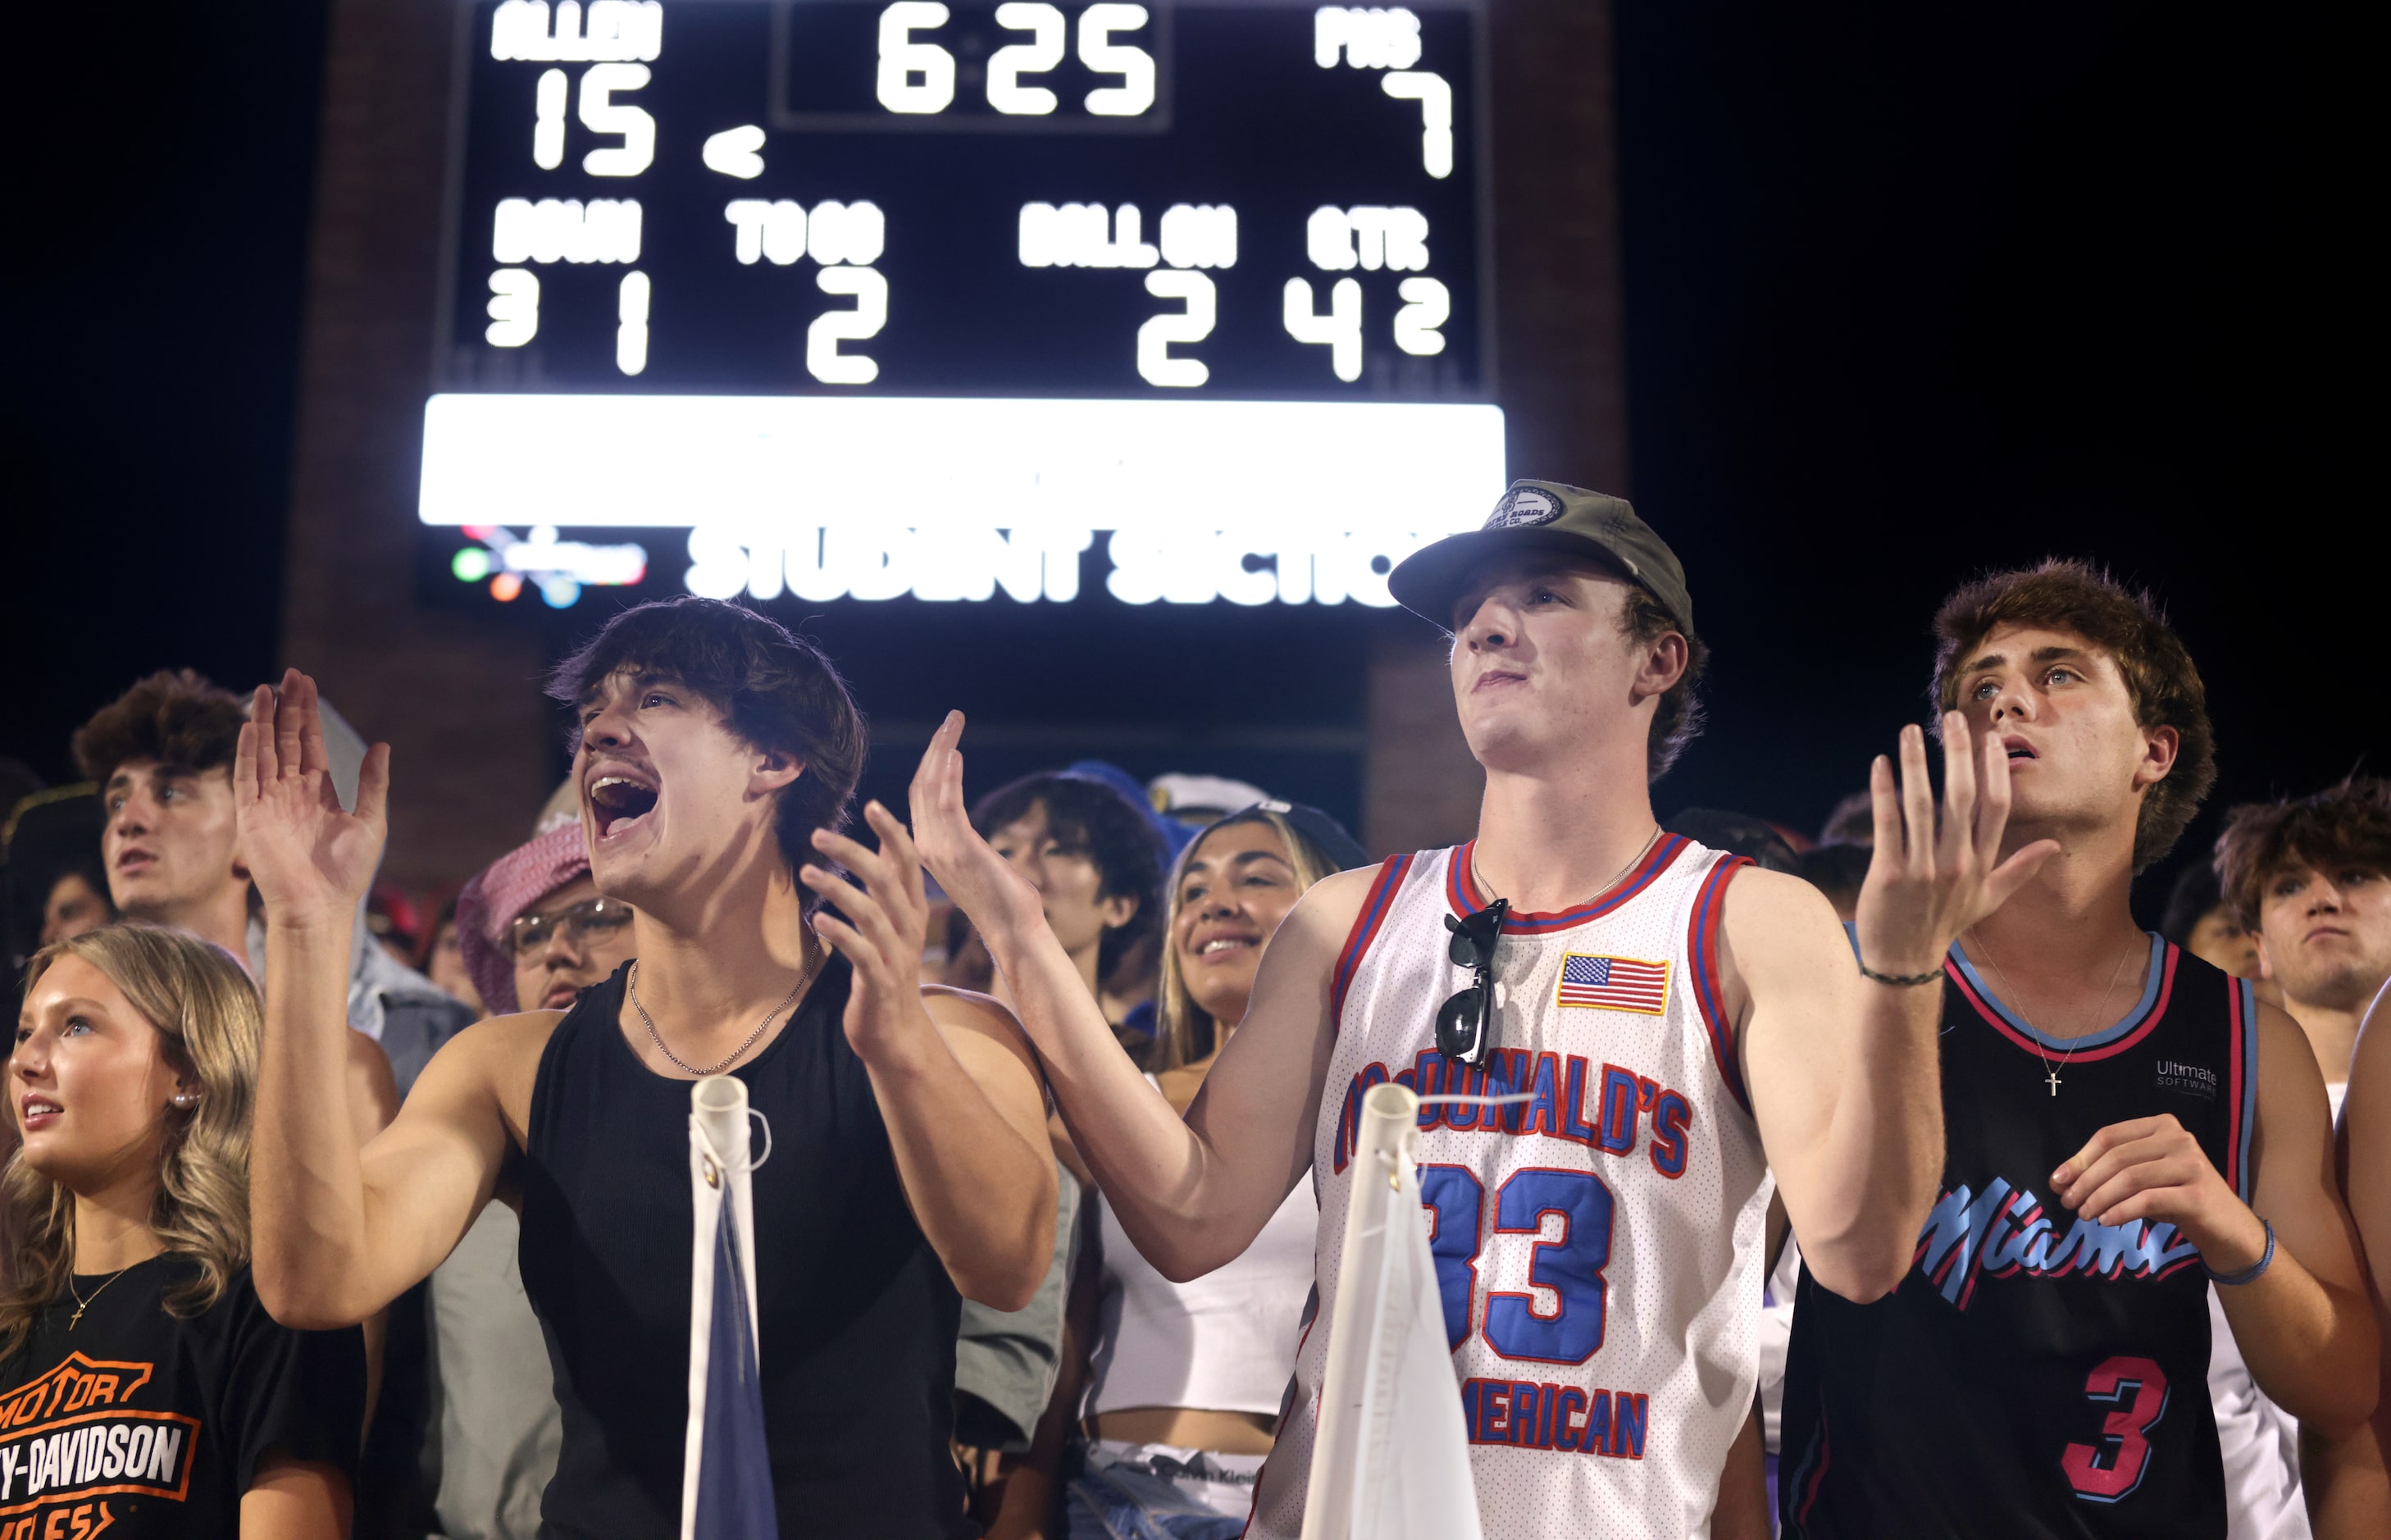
(1613, 984)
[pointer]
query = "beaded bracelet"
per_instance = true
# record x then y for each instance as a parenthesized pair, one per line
(2249, 1273)
(1906, 980)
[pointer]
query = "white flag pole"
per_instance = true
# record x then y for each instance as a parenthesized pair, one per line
(718, 1109)
(719, 1167)
(1391, 1457)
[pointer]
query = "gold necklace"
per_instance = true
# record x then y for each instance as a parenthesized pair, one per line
(1644, 849)
(82, 1304)
(2097, 1011)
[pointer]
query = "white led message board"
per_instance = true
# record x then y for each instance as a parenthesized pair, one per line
(859, 299)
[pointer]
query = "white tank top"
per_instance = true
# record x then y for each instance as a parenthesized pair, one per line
(2259, 1440)
(1598, 1247)
(1224, 1342)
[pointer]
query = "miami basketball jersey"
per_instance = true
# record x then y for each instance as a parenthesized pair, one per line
(1597, 1245)
(2035, 1374)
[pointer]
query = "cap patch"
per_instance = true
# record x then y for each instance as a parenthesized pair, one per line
(1524, 507)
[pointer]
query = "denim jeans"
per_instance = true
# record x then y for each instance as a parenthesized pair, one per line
(1144, 1492)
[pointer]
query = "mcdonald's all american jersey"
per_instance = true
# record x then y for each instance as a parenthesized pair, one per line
(1597, 1245)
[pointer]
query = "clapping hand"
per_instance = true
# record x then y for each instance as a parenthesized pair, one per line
(999, 900)
(1925, 885)
(883, 919)
(312, 860)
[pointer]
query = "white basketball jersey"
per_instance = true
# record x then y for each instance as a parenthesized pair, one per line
(1597, 1247)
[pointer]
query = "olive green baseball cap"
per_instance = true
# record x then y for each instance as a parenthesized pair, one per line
(1544, 515)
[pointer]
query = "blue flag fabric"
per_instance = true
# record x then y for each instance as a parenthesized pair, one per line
(734, 1474)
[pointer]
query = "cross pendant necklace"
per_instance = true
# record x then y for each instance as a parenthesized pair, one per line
(2051, 1071)
(82, 1304)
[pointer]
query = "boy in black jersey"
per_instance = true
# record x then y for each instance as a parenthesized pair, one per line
(2123, 1123)
(715, 754)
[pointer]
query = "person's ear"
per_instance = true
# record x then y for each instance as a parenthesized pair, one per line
(772, 770)
(187, 1090)
(2266, 968)
(1116, 910)
(2160, 745)
(1663, 664)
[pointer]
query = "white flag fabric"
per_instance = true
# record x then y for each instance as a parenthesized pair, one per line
(727, 1477)
(1392, 1460)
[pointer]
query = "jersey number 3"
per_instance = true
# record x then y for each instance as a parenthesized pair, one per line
(1569, 1266)
(2113, 1468)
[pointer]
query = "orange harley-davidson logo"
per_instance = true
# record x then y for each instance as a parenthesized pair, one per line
(69, 1441)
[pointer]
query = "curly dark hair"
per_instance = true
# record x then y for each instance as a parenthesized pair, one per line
(174, 717)
(775, 690)
(1091, 819)
(2340, 826)
(2127, 625)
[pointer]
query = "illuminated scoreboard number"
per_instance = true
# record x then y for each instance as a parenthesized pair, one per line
(879, 297)
(925, 197)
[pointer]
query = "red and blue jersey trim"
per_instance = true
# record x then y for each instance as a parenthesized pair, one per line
(1461, 890)
(1376, 906)
(2158, 988)
(1702, 970)
(2243, 1111)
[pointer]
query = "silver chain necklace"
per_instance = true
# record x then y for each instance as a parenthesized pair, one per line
(2051, 1071)
(805, 976)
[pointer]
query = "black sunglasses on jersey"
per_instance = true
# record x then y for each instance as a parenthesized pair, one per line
(1460, 1021)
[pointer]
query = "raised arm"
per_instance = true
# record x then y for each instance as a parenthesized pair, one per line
(955, 1083)
(1844, 1071)
(338, 1233)
(1191, 1194)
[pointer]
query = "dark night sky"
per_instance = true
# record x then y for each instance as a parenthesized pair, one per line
(1910, 291)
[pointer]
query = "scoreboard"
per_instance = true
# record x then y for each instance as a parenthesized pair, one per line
(854, 299)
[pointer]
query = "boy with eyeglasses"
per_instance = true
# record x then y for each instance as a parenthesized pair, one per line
(1680, 1022)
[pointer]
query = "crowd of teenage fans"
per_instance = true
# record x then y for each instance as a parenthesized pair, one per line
(1113, 1393)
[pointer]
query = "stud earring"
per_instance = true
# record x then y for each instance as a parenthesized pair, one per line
(187, 1099)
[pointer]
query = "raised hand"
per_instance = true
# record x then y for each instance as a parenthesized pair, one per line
(887, 916)
(1927, 885)
(311, 860)
(1000, 901)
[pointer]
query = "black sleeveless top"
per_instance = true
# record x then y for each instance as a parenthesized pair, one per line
(857, 1315)
(2035, 1374)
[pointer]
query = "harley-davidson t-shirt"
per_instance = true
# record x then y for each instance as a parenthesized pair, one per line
(135, 1423)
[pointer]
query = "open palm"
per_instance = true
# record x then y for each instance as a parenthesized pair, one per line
(983, 882)
(309, 858)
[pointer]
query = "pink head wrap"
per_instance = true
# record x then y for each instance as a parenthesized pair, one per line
(505, 888)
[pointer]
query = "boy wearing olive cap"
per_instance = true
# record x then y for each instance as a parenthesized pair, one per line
(1679, 1023)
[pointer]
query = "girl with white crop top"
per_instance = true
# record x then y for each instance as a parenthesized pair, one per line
(1175, 1388)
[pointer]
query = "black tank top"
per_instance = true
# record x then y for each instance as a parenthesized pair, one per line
(857, 1315)
(2035, 1374)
